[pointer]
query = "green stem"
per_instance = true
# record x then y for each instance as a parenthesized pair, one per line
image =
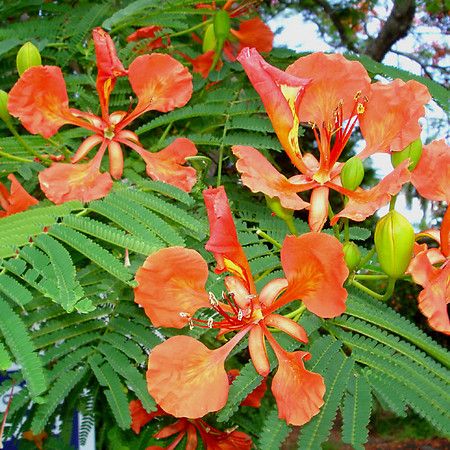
(291, 225)
(371, 277)
(63, 147)
(193, 28)
(392, 202)
(346, 230)
(22, 142)
(367, 258)
(295, 315)
(164, 135)
(268, 238)
(389, 290)
(335, 227)
(14, 158)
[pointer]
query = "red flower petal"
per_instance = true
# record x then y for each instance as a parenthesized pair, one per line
(254, 33)
(362, 204)
(334, 79)
(39, 99)
(166, 165)
(186, 378)
(280, 93)
(390, 119)
(298, 392)
(316, 271)
(15, 201)
(260, 176)
(109, 67)
(236, 440)
(435, 296)
(160, 82)
(223, 240)
(318, 212)
(140, 417)
(63, 182)
(172, 280)
(431, 177)
(144, 33)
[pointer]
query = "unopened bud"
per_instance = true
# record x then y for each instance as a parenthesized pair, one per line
(412, 151)
(394, 242)
(222, 25)
(280, 211)
(28, 56)
(4, 114)
(352, 173)
(209, 39)
(352, 255)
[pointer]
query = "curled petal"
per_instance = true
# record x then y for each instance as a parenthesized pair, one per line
(84, 182)
(260, 176)
(316, 271)
(166, 165)
(281, 94)
(16, 200)
(318, 213)
(271, 291)
(186, 378)
(109, 67)
(39, 99)
(86, 146)
(115, 160)
(234, 440)
(297, 391)
(160, 82)
(258, 352)
(254, 33)
(172, 281)
(334, 79)
(431, 177)
(390, 119)
(143, 33)
(202, 63)
(435, 295)
(223, 240)
(288, 326)
(362, 204)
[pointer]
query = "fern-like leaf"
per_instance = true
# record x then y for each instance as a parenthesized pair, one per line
(274, 432)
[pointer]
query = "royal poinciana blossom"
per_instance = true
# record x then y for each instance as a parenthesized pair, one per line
(331, 94)
(39, 99)
(212, 438)
(16, 200)
(250, 33)
(189, 380)
(430, 267)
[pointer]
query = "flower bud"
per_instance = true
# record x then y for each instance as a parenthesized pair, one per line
(352, 173)
(394, 242)
(352, 255)
(4, 114)
(209, 39)
(222, 25)
(275, 205)
(412, 151)
(28, 56)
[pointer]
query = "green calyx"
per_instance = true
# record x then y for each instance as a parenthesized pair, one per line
(352, 173)
(28, 56)
(352, 255)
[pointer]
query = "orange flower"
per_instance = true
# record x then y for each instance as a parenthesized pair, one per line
(189, 380)
(211, 437)
(430, 267)
(16, 200)
(332, 94)
(148, 33)
(39, 99)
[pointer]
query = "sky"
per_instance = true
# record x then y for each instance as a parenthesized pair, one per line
(298, 34)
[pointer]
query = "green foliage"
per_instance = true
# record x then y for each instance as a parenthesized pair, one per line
(274, 432)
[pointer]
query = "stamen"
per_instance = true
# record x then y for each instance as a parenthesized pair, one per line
(357, 95)
(210, 322)
(212, 299)
(191, 324)
(360, 108)
(240, 315)
(185, 315)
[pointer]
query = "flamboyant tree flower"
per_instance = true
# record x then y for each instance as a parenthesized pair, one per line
(149, 33)
(332, 94)
(430, 267)
(213, 439)
(250, 33)
(16, 200)
(186, 378)
(39, 99)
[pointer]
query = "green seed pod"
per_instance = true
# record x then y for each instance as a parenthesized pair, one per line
(394, 242)
(209, 39)
(352, 255)
(412, 151)
(4, 114)
(352, 173)
(222, 25)
(280, 211)
(28, 56)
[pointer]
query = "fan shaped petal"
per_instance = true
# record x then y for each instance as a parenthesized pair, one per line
(16, 200)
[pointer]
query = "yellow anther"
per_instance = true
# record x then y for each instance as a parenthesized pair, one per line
(360, 108)
(357, 95)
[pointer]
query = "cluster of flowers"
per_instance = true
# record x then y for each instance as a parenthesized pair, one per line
(332, 94)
